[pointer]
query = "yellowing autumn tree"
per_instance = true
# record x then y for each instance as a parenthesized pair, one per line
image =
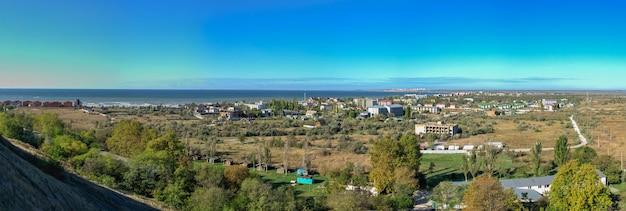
(487, 193)
(129, 138)
(393, 161)
(577, 187)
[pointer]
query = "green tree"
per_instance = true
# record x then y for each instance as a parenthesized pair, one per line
(577, 187)
(129, 138)
(64, 146)
(561, 151)
(491, 154)
(349, 201)
(535, 153)
(49, 125)
(447, 195)
(610, 167)
(584, 154)
(208, 198)
(18, 126)
(388, 155)
(210, 176)
(487, 193)
(253, 195)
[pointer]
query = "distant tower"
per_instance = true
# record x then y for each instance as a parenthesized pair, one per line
(304, 100)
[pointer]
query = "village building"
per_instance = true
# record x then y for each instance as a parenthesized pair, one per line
(437, 128)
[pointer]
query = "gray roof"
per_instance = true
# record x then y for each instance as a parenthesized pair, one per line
(526, 182)
(530, 194)
(522, 182)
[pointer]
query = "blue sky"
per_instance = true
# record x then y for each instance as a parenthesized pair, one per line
(325, 44)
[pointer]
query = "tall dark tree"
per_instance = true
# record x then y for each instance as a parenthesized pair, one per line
(286, 154)
(536, 158)
(491, 154)
(584, 154)
(561, 151)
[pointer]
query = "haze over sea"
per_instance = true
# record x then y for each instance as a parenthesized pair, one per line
(136, 97)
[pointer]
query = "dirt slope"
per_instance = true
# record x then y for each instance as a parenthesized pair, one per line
(23, 186)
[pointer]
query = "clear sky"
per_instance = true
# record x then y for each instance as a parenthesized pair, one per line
(321, 44)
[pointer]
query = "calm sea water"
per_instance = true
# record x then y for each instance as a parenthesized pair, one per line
(121, 97)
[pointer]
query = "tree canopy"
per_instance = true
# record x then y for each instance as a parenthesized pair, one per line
(129, 138)
(577, 186)
(389, 156)
(584, 154)
(447, 195)
(561, 151)
(487, 193)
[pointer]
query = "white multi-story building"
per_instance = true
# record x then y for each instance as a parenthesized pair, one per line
(395, 109)
(376, 110)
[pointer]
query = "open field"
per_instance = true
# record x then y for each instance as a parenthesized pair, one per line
(73, 118)
(605, 122)
(281, 179)
(523, 130)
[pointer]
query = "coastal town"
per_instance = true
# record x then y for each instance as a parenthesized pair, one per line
(324, 129)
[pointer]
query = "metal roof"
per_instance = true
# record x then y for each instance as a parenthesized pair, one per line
(526, 182)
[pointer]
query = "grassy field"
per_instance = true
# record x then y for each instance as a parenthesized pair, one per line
(278, 180)
(507, 130)
(447, 167)
(73, 118)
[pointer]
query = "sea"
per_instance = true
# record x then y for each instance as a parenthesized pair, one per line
(176, 98)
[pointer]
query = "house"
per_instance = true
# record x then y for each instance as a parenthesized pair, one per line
(228, 162)
(310, 113)
(325, 107)
(245, 163)
(301, 172)
(385, 102)
(212, 159)
(281, 170)
(232, 113)
(532, 188)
